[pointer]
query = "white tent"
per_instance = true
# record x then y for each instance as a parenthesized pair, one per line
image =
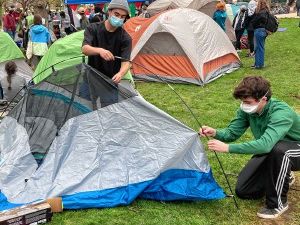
(190, 50)
(206, 6)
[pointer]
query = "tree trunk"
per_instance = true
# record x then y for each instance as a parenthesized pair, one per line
(1, 12)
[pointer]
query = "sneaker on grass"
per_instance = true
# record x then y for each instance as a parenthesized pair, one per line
(266, 213)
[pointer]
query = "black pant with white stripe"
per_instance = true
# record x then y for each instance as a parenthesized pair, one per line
(268, 174)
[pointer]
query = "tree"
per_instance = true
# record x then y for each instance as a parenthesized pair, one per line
(1, 11)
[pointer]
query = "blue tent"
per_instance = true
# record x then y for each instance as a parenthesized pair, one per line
(97, 149)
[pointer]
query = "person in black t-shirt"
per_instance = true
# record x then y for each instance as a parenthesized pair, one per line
(104, 40)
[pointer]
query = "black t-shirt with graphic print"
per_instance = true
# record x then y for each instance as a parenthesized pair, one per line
(118, 43)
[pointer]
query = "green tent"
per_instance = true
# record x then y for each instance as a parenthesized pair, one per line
(8, 48)
(132, 9)
(65, 52)
(9, 51)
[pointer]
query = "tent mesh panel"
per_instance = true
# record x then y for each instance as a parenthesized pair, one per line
(65, 94)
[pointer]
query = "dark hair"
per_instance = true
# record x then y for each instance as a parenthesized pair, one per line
(98, 9)
(10, 68)
(253, 86)
(37, 20)
(262, 5)
(62, 14)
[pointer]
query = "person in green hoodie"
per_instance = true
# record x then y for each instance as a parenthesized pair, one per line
(276, 145)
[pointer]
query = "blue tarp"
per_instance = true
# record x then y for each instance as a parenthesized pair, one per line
(171, 185)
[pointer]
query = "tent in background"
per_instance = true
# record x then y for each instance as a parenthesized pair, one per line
(10, 51)
(190, 50)
(101, 149)
(205, 6)
(67, 49)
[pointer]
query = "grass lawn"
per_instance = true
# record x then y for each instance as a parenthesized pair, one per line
(213, 105)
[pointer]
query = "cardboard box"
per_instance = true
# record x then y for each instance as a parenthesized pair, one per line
(31, 214)
(56, 204)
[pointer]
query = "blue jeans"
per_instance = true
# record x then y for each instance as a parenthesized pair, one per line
(260, 35)
(11, 33)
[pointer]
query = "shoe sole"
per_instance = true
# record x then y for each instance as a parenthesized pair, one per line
(292, 182)
(263, 216)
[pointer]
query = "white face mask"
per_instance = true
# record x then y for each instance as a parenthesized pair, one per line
(250, 109)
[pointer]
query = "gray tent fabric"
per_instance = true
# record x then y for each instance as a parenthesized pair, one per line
(23, 69)
(96, 153)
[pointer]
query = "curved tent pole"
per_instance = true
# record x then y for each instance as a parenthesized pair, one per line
(52, 66)
(198, 122)
(164, 81)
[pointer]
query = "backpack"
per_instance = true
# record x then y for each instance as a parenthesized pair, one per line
(272, 23)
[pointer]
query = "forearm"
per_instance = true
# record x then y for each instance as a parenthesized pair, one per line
(252, 147)
(125, 66)
(89, 50)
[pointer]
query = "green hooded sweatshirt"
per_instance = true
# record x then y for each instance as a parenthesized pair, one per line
(278, 121)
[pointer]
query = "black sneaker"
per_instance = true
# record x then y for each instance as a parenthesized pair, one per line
(266, 213)
(292, 178)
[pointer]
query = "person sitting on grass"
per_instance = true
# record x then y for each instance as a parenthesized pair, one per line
(11, 84)
(276, 147)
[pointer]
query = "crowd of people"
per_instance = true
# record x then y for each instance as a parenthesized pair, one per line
(275, 126)
(253, 19)
(17, 24)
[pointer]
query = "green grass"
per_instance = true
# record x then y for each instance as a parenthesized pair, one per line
(213, 105)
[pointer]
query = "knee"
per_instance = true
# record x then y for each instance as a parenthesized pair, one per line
(245, 192)
(240, 193)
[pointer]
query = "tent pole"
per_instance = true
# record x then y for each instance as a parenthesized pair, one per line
(198, 122)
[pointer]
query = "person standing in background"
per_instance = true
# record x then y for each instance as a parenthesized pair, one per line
(39, 38)
(260, 33)
(84, 22)
(9, 22)
(65, 22)
(220, 15)
(250, 30)
(239, 25)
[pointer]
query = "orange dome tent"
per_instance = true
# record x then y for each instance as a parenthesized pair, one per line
(190, 50)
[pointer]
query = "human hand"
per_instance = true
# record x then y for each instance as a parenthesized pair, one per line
(117, 78)
(206, 131)
(218, 146)
(106, 55)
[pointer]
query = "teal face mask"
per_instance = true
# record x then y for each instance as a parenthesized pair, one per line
(115, 21)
